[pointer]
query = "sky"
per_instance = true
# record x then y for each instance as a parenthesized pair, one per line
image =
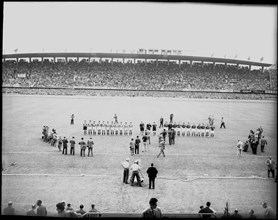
(200, 29)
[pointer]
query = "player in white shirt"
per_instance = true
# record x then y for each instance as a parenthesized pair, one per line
(103, 128)
(178, 129)
(116, 126)
(99, 128)
(112, 128)
(121, 128)
(207, 131)
(107, 128)
(130, 127)
(94, 128)
(90, 128)
(125, 128)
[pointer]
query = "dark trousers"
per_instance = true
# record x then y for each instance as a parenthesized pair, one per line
(71, 121)
(161, 125)
(72, 151)
(126, 173)
(82, 152)
(254, 148)
(222, 125)
(90, 149)
(170, 140)
(151, 182)
(262, 148)
(173, 140)
(272, 172)
(136, 149)
(135, 174)
(65, 149)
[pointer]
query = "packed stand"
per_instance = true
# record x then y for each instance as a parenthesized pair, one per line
(139, 76)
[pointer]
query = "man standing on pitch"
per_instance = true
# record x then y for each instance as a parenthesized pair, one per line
(65, 146)
(125, 165)
(72, 146)
(152, 172)
(90, 144)
(82, 147)
(137, 143)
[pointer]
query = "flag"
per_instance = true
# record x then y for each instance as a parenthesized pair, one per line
(16, 50)
(262, 59)
(235, 56)
(249, 58)
(225, 55)
(212, 55)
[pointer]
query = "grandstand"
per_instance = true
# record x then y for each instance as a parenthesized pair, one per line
(158, 73)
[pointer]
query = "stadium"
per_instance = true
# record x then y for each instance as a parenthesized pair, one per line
(141, 86)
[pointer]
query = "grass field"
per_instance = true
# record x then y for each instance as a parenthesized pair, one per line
(194, 171)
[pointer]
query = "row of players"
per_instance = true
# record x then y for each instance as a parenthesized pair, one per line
(120, 128)
(107, 128)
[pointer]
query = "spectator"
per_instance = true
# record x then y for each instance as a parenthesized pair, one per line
(81, 211)
(207, 210)
(93, 213)
(251, 214)
(10, 209)
(32, 212)
(60, 207)
(41, 210)
(269, 212)
(153, 211)
(236, 215)
(69, 208)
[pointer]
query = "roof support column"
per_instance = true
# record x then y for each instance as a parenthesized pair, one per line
(249, 68)
(262, 68)
(190, 63)
(168, 62)
(179, 63)
(123, 60)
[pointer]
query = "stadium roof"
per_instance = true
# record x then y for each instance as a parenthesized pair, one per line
(136, 56)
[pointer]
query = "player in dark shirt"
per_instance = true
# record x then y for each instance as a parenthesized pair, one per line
(148, 126)
(142, 128)
(137, 143)
(183, 127)
(193, 133)
(154, 128)
(161, 122)
(164, 133)
(198, 130)
(188, 129)
(65, 146)
(85, 127)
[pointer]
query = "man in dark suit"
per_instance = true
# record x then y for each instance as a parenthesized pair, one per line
(65, 146)
(208, 211)
(152, 172)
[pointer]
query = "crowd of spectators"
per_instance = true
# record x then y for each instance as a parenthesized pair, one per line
(66, 210)
(139, 76)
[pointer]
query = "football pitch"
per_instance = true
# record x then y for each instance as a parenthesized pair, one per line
(194, 171)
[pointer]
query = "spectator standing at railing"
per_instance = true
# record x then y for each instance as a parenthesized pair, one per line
(153, 211)
(207, 210)
(32, 212)
(41, 210)
(10, 209)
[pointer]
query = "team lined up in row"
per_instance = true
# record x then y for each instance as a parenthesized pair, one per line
(93, 128)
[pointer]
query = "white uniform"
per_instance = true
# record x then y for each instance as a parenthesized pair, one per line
(125, 128)
(130, 129)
